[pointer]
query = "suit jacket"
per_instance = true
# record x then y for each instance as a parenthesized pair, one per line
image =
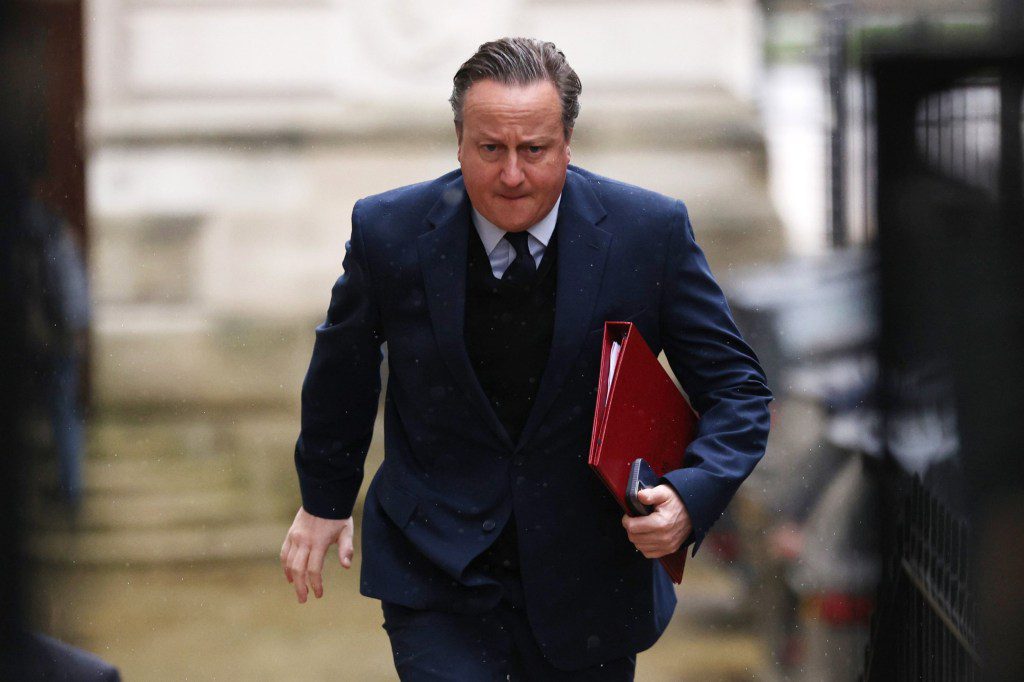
(451, 475)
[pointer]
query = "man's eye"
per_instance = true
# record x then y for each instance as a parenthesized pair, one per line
(535, 149)
(490, 147)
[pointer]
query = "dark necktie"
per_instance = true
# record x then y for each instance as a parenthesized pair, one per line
(523, 269)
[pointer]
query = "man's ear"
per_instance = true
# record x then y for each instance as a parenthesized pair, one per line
(458, 137)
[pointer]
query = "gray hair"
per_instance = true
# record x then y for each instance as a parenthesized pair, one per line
(520, 61)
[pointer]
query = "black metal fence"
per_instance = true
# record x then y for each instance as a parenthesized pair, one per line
(926, 165)
(924, 627)
(948, 149)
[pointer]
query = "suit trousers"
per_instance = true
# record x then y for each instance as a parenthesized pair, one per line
(499, 644)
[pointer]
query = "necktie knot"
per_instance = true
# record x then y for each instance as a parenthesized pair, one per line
(520, 241)
(523, 268)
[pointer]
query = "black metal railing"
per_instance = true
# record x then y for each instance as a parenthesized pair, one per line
(924, 627)
(925, 164)
(948, 188)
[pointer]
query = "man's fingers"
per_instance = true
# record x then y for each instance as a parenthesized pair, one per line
(651, 540)
(346, 557)
(345, 549)
(305, 548)
(663, 531)
(289, 570)
(315, 570)
(651, 550)
(640, 525)
(659, 494)
(297, 562)
(285, 550)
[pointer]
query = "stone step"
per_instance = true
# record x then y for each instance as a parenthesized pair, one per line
(196, 433)
(151, 546)
(124, 476)
(119, 476)
(155, 510)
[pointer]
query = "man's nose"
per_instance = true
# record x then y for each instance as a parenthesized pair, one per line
(511, 171)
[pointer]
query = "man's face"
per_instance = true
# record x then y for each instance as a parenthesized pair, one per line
(513, 151)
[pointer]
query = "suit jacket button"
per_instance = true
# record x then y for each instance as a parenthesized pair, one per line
(488, 525)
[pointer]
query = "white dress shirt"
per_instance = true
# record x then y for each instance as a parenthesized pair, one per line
(500, 252)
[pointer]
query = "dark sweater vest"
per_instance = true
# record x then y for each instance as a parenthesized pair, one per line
(508, 331)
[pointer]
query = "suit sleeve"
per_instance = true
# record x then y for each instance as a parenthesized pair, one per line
(340, 391)
(721, 376)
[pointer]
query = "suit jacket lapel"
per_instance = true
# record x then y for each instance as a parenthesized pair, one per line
(443, 254)
(582, 253)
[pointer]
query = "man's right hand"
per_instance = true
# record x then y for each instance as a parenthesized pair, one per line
(302, 554)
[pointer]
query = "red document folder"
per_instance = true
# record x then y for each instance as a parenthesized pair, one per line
(642, 413)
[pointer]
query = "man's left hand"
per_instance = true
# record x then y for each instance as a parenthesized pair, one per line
(662, 531)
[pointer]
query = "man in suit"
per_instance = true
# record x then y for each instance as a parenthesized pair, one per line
(494, 549)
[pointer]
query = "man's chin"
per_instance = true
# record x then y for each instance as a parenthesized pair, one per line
(515, 227)
(514, 223)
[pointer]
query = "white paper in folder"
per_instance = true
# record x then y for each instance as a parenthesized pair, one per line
(613, 359)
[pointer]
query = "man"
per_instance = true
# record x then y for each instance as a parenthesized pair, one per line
(493, 547)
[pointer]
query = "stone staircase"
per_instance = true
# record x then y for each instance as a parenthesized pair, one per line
(158, 494)
(154, 512)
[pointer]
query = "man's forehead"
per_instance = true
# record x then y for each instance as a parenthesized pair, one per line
(528, 133)
(537, 97)
(500, 110)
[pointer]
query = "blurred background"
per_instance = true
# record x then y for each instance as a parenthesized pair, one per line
(178, 179)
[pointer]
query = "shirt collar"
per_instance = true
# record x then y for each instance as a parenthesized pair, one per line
(491, 235)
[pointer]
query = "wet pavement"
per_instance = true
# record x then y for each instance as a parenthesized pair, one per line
(172, 573)
(240, 621)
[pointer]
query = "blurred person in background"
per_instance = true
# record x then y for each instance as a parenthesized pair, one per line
(494, 549)
(57, 306)
(41, 283)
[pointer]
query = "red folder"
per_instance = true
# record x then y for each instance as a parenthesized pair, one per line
(641, 414)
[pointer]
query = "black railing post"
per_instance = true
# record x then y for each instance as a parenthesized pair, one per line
(837, 14)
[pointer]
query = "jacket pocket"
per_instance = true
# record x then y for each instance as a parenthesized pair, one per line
(398, 504)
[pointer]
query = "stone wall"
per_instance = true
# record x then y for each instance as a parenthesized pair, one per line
(227, 142)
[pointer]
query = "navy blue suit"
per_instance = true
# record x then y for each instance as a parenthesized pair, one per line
(451, 475)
